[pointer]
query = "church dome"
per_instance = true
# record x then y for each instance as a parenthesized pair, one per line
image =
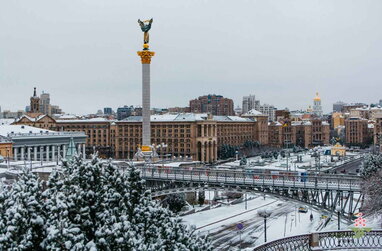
(317, 97)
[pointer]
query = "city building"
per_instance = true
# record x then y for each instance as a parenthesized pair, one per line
(124, 112)
(97, 131)
(338, 119)
(7, 114)
(356, 132)
(42, 121)
(213, 104)
(261, 125)
(337, 107)
(248, 103)
(179, 109)
(41, 105)
(304, 133)
(268, 110)
(45, 103)
(317, 108)
(196, 135)
(282, 114)
(32, 143)
(5, 148)
(238, 111)
(108, 111)
(347, 107)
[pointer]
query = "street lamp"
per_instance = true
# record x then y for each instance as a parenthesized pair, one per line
(338, 208)
(265, 214)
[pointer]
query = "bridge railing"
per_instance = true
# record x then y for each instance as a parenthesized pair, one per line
(243, 177)
(343, 240)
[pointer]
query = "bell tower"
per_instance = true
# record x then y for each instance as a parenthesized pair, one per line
(35, 103)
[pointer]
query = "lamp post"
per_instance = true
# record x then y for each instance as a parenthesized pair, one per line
(265, 214)
(8, 156)
(338, 208)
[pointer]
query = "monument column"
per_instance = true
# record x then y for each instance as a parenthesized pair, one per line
(146, 129)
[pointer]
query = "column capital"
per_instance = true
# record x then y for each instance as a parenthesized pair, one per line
(146, 56)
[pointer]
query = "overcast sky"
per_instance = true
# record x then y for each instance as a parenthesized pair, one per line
(83, 52)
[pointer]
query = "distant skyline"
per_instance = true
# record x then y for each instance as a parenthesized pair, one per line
(84, 52)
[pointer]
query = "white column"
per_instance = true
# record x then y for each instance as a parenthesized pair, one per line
(146, 128)
(35, 153)
(53, 153)
(83, 151)
(64, 153)
(47, 153)
(41, 153)
(78, 149)
(22, 153)
(58, 151)
(29, 152)
(15, 152)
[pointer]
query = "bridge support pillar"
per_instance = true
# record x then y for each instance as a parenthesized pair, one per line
(314, 241)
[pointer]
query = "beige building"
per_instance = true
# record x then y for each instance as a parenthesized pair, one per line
(356, 131)
(338, 119)
(6, 148)
(195, 135)
(377, 135)
(305, 133)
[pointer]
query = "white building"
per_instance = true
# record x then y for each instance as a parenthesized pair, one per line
(269, 110)
(317, 108)
(31, 143)
(248, 103)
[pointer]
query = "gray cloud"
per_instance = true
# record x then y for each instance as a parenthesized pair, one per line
(84, 52)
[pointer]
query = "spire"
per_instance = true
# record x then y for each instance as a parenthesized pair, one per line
(34, 93)
(71, 149)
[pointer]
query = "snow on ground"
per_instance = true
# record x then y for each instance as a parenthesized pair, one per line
(307, 161)
(221, 223)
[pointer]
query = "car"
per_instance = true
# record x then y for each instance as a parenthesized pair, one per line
(302, 210)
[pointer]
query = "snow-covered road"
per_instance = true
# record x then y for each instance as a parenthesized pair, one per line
(221, 223)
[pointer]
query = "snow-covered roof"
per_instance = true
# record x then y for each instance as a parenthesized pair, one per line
(66, 116)
(92, 120)
(6, 121)
(187, 117)
(17, 129)
(295, 123)
(252, 112)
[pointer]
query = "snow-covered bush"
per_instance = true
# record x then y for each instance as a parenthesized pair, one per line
(371, 172)
(89, 206)
(371, 164)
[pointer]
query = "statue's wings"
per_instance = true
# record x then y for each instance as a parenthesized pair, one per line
(151, 20)
(141, 23)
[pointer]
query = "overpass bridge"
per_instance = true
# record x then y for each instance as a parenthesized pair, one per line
(329, 192)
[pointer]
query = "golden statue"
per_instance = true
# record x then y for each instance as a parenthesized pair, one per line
(145, 28)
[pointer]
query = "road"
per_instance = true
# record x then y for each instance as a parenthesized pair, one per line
(348, 168)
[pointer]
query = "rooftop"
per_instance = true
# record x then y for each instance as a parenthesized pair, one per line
(187, 117)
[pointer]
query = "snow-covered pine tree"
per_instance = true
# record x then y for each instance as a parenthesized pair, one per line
(3, 197)
(61, 233)
(155, 226)
(24, 216)
(174, 202)
(114, 231)
(82, 190)
(371, 164)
